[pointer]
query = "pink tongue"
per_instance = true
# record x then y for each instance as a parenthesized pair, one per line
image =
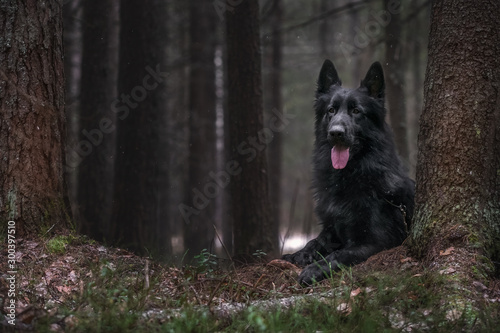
(340, 156)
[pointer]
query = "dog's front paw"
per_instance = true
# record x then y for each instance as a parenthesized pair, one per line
(312, 274)
(317, 271)
(299, 258)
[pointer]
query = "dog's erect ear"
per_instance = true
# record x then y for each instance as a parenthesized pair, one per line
(374, 81)
(327, 77)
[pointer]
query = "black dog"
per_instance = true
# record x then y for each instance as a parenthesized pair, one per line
(363, 197)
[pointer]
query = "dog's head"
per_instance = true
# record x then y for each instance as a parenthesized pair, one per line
(347, 118)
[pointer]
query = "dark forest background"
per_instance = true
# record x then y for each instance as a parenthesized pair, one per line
(178, 111)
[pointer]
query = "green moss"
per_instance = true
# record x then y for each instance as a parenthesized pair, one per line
(58, 244)
(11, 203)
(478, 132)
(55, 215)
(485, 267)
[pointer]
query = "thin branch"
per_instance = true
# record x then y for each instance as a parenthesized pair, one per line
(225, 248)
(354, 6)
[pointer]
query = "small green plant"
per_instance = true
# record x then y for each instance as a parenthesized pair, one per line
(259, 254)
(205, 262)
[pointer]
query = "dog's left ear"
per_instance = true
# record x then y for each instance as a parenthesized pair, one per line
(374, 81)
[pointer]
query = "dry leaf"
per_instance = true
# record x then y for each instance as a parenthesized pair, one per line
(355, 292)
(283, 264)
(479, 286)
(72, 276)
(447, 252)
(412, 296)
(447, 271)
(344, 309)
(64, 289)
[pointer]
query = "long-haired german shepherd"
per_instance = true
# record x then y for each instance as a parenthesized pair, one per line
(364, 199)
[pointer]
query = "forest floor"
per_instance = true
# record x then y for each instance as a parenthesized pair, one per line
(72, 284)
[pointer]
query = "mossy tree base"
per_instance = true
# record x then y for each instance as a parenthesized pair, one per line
(32, 121)
(457, 200)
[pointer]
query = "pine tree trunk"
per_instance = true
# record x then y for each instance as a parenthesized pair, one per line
(273, 104)
(198, 227)
(32, 122)
(458, 177)
(394, 83)
(251, 208)
(98, 89)
(140, 179)
(72, 60)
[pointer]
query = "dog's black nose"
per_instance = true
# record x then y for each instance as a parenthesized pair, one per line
(336, 133)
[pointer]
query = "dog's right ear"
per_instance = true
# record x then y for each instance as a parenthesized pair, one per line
(327, 77)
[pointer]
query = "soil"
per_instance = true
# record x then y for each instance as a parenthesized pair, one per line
(46, 281)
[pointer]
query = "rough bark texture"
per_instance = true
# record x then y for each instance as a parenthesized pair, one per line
(98, 89)
(458, 171)
(198, 228)
(32, 188)
(251, 209)
(141, 187)
(394, 83)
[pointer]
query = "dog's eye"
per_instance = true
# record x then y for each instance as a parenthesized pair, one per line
(331, 110)
(355, 111)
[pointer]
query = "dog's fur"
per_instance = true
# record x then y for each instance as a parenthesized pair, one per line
(366, 205)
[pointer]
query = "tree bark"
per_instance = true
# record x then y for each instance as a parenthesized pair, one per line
(98, 89)
(198, 227)
(458, 177)
(141, 177)
(251, 209)
(32, 121)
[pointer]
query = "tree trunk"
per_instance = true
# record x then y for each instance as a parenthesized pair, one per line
(273, 104)
(416, 52)
(32, 122)
(140, 177)
(247, 167)
(394, 82)
(98, 89)
(324, 31)
(177, 127)
(72, 60)
(458, 177)
(198, 226)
